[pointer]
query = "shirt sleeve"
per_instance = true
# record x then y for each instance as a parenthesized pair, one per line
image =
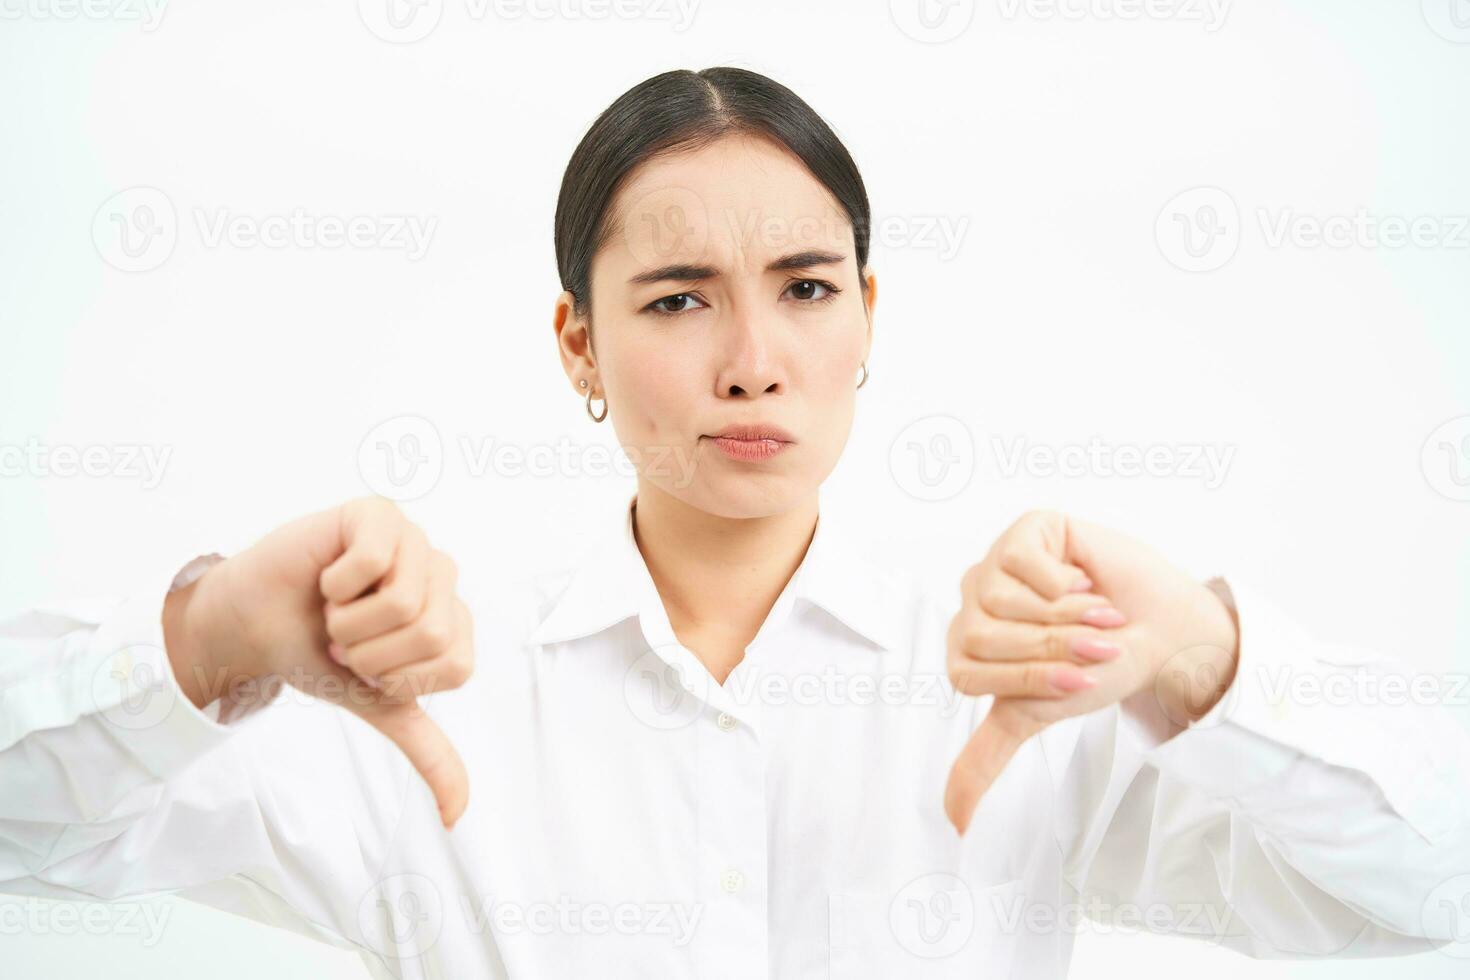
(1321, 807)
(112, 783)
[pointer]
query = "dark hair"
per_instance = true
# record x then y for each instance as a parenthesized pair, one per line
(680, 110)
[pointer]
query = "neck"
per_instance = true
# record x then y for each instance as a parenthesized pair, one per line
(718, 577)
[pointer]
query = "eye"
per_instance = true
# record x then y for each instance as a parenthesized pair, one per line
(679, 303)
(805, 288)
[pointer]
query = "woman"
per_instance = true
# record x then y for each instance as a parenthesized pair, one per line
(721, 745)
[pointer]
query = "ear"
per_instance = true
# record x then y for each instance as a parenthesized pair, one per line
(870, 301)
(574, 343)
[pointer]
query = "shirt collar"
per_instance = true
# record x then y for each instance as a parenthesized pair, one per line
(612, 583)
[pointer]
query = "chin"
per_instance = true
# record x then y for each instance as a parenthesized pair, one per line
(745, 495)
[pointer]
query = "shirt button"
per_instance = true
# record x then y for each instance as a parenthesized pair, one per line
(732, 881)
(726, 722)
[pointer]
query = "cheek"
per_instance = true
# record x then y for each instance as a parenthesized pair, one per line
(657, 389)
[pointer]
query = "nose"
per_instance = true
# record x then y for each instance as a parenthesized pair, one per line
(750, 361)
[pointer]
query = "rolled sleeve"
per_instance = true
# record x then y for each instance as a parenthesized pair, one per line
(1344, 706)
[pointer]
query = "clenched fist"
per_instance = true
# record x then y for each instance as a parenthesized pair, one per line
(1063, 617)
(352, 605)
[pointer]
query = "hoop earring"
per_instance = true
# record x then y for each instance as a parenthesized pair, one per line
(865, 375)
(595, 418)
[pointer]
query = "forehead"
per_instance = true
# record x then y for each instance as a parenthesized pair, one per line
(735, 204)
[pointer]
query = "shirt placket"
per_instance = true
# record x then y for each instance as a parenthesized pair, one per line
(732, 856)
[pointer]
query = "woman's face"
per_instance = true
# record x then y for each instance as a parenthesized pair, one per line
(727, 294)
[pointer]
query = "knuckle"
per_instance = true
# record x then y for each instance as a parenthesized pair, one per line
(1034, 679)
(1054, 645)
(332, 621)
(460, 670)
(981, 637)
(1041, 515)
(400, 604)
(436, 633)
(1007, 555)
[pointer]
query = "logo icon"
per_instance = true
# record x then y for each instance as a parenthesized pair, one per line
(1446, 912)
(130, 689)
(401, 21)
(136, 230)
(933, 916)
(1199, 230)
(933, 459)
(932, 21)
(666, 690)
(666, 225)
(1445, 459)
(401, 458)
(1450, 19)
(403, 916)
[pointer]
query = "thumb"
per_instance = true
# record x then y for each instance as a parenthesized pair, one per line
(429, 750)
(980, 762)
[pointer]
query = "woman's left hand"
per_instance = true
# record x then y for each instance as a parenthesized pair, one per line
(1064, 617)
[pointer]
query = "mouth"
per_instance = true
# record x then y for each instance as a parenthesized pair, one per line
(751, 443)
(754, 433)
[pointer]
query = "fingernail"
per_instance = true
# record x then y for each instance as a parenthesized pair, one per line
(372, 682)
(335, 651)
(1084, 584)
(1105, 616)
(1096, 650)
(1070, 679)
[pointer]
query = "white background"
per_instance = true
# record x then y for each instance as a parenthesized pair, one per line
(1050, 145)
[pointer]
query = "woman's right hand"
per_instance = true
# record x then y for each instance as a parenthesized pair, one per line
(351, 605)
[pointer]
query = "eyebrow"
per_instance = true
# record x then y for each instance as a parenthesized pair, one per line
(682, 272)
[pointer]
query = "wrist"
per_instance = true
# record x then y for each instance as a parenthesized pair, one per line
(1194, 679)
(204, 646)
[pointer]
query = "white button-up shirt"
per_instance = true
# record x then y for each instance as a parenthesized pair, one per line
(629, 817)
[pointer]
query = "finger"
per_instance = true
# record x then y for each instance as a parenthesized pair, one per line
(977, 636)
(370, 529)
(1007, 597)
(979, 764)
(399, 600)
(1031, 679)
(1045, 573)
(449, 670)
(428, 749)
(427, 637)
